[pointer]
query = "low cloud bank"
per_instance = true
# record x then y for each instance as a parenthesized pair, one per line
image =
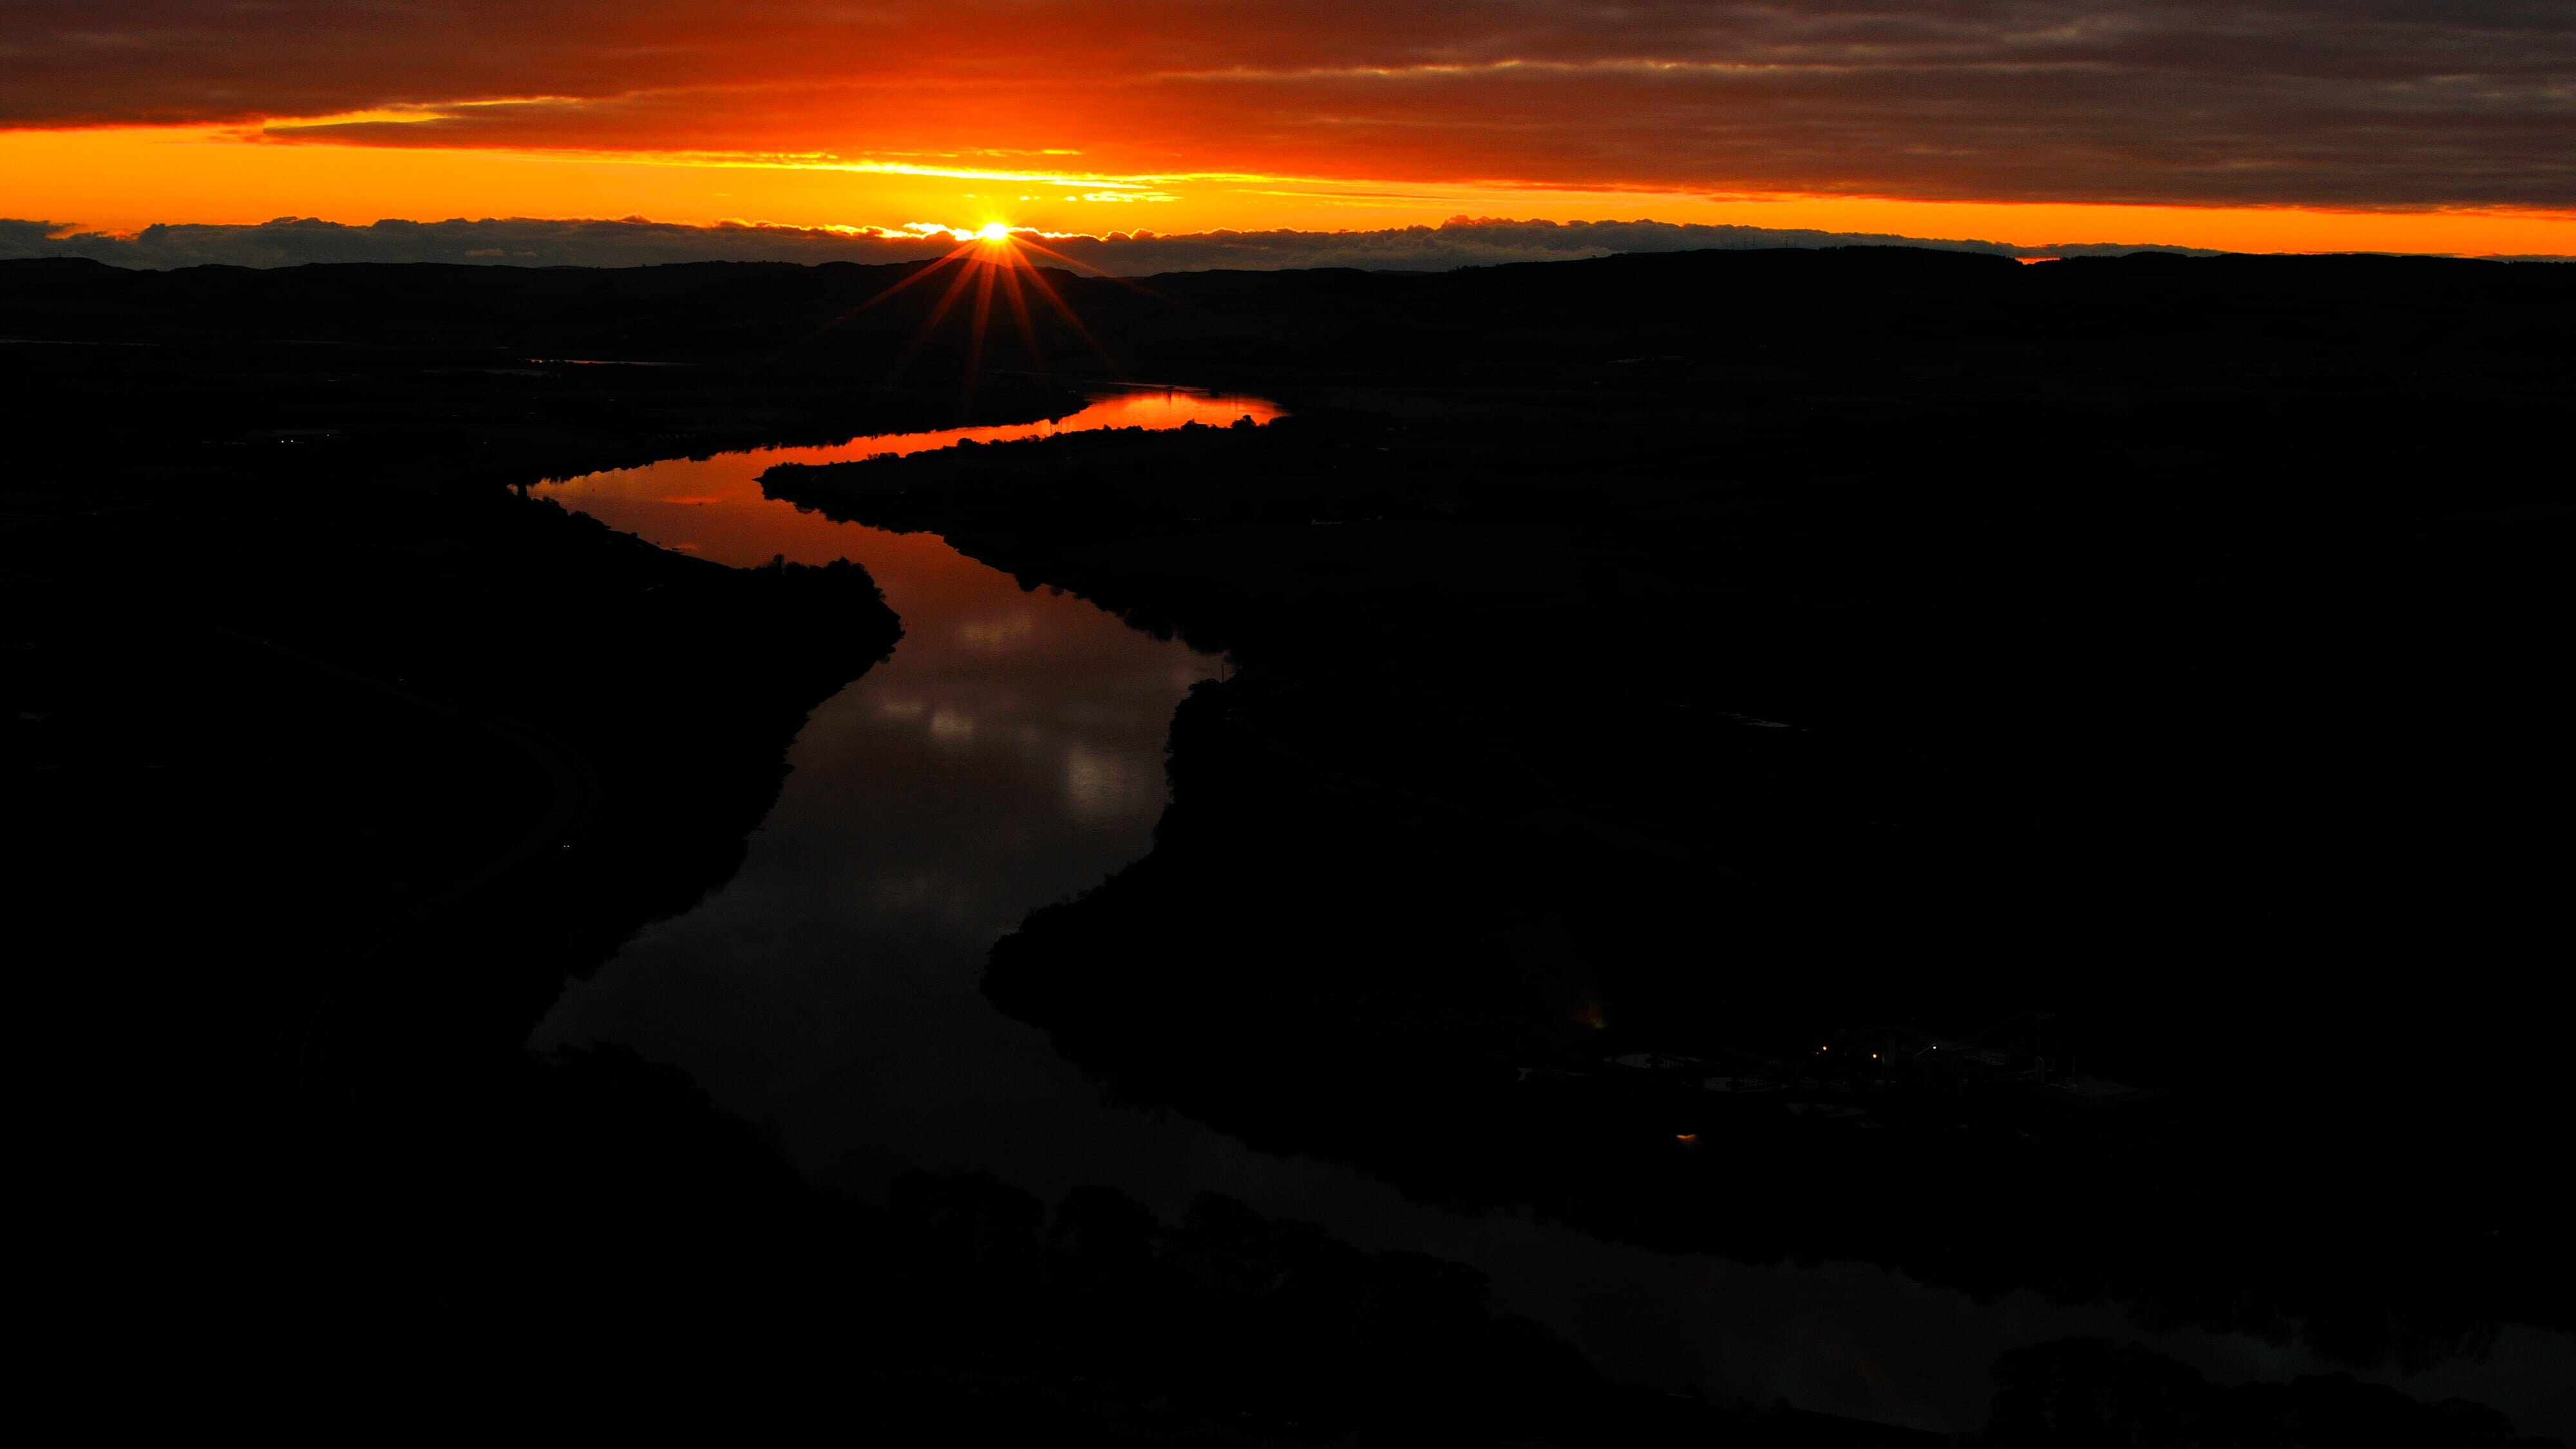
(1461, 242)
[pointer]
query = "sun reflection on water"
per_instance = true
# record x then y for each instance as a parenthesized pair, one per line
(713, 507)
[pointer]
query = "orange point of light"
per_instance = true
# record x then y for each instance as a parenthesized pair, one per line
(994, 231)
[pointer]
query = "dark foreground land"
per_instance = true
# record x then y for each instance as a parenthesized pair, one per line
(2045, 777)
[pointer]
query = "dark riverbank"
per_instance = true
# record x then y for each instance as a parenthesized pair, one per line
(1466, 801)
(1627, 743)
(345, 758)
(340, 771)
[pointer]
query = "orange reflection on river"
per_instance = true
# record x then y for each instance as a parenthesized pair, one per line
(713, 507)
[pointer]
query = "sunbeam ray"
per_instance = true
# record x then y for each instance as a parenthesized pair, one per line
(1020, 313)
(907, 281)
(994, 262)
(1128, 282)
(1047, 290)
(975, 330)
(939, 310)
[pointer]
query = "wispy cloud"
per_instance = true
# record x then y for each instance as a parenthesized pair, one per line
(2345, 103)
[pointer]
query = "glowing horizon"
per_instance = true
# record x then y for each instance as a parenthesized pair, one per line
(120, 180)
(2259, 125)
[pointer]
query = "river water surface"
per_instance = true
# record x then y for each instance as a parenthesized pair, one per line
(1008, 755)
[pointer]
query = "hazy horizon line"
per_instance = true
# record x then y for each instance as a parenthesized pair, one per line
(637, 241)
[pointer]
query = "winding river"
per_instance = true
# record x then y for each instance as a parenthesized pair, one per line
(1009, 754)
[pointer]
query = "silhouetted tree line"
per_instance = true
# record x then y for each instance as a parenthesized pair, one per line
(1578, 708)
(2089, 1392)
(1694, 655)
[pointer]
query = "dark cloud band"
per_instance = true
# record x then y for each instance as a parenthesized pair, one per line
(538, 243)
(2349, 103)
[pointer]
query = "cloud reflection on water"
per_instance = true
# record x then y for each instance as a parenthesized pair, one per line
(1009, 754)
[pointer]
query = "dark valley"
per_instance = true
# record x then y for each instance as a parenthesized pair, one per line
(2046, 781)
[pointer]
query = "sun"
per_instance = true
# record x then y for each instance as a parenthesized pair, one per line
(993, 261)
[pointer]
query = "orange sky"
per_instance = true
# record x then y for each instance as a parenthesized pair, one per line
(2249, 124)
